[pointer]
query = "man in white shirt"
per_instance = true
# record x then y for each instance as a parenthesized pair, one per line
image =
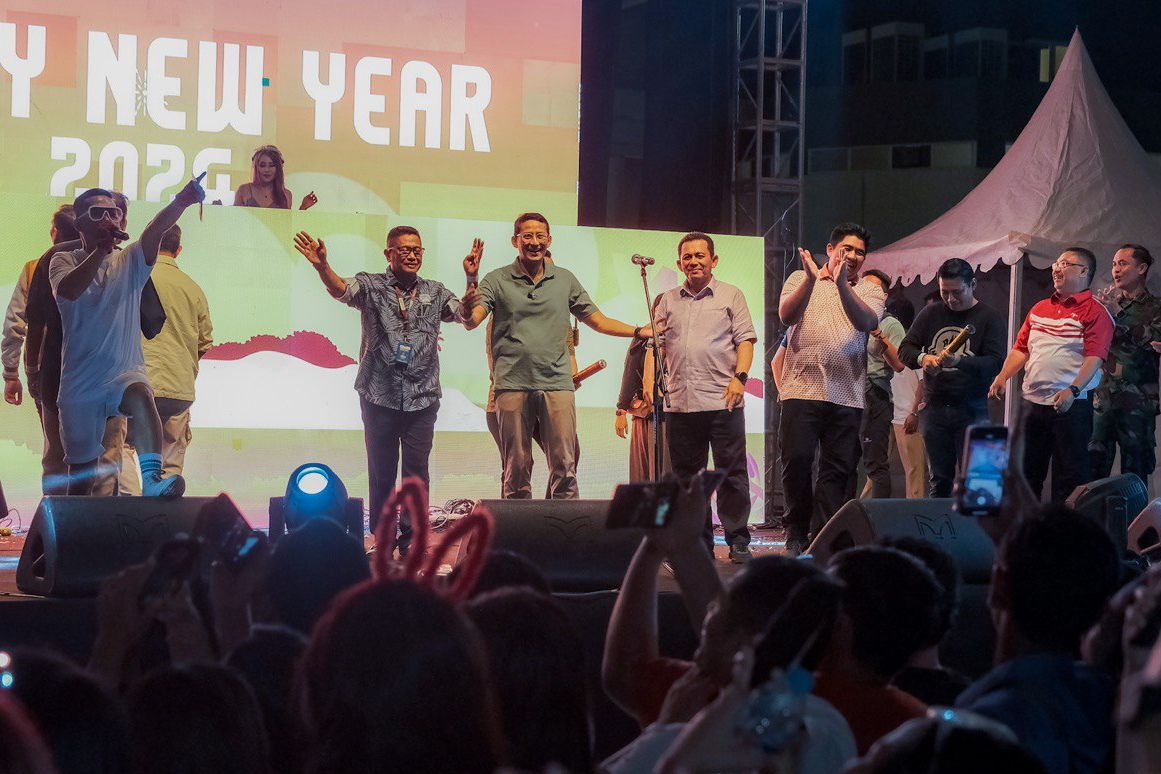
(830, 313)
(98, 291)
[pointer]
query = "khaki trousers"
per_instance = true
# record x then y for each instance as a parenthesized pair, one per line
(913, 454)
(175, 438)
(517, 413)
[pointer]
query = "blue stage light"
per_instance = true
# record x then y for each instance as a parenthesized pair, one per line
(314, 491)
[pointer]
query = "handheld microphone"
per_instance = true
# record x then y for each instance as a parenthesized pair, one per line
(643, 260)
(119, 234)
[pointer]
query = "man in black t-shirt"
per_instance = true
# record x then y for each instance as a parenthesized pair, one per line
(956, 386)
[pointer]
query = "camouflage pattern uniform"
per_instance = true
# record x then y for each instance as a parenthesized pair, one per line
(1125, 405)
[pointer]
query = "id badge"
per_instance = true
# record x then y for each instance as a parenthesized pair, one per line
(403, 353)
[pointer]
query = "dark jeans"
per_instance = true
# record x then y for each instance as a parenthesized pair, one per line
(943, 427)
(386, 431)
(1061, 439)
(831, 430)
(1130, 429)
(691, 438)
(876, 440)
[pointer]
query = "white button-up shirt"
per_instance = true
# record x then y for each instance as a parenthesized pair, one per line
(700, 337)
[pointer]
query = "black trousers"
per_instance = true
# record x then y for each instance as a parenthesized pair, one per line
(387, 432)
(692, 436)
(943, 429)
(831, 430)
(876, 440)
(1059, 438)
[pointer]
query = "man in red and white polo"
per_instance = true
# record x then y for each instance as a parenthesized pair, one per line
(1063, 343)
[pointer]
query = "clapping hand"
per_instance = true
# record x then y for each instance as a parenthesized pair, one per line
(315, 252)
(808, 264)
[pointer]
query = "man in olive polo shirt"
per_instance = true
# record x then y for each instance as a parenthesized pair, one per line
(531, 301)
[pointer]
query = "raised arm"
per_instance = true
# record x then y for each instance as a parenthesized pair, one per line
(631, 639)
(77, 280)
(793, 304)
(316, 253)
(862, 317)
(151, 236)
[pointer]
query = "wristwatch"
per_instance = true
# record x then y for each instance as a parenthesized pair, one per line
(742, 376)
(1075, 390)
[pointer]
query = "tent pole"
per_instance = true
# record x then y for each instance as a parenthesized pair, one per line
(1015, 291)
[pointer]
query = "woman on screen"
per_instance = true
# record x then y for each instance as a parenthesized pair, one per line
(267, 186)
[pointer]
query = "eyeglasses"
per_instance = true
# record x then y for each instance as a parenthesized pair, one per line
(1062, 265)
(533, 237)
(97, 212)
(406, 251)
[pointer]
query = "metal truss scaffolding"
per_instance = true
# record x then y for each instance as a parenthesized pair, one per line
(767, 120)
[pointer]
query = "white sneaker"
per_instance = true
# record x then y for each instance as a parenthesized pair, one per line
(154, 485)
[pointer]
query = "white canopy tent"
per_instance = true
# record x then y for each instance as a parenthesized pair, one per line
(1076, 176)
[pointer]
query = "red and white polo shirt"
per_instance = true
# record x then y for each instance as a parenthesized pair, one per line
(1058, 334)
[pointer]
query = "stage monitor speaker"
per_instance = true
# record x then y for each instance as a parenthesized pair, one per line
(351, 521)
(862, 522)
(566, 540)
(73, 543)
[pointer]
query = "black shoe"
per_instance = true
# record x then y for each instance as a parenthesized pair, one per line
(796, 546)
(740, 553)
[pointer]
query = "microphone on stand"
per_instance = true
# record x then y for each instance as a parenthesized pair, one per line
(643, 260)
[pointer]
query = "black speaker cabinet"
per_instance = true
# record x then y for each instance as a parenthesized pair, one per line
(861, 522)
(352, 518)
(566, 540)
(73, 543)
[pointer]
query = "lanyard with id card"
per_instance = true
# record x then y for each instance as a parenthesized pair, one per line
(404, 351)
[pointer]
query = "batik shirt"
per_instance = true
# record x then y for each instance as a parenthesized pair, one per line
(381, 379)
(1131, 370)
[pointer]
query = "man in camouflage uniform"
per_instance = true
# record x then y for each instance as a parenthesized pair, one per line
(1126, 402)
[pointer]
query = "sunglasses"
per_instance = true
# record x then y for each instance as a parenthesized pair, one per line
(97, 212)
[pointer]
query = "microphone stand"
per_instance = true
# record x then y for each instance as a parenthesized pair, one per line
(660, 383)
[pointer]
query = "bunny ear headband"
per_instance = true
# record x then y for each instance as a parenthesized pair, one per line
(474, 531)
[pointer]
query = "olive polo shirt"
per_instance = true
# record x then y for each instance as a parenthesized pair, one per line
(530, 328)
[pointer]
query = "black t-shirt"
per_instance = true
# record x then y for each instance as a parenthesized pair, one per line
(934, 328)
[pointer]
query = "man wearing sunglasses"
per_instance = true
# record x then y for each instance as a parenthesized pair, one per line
(398, 378)
(98, 292)
(1063, 342)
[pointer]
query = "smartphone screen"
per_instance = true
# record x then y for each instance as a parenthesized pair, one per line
(644, 505)
(985, 460)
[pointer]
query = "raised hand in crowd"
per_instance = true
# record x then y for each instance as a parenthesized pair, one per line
(234, 593)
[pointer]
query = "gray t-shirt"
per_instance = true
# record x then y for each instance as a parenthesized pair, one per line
(102, 327)
(530, 327)
(879, 373)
